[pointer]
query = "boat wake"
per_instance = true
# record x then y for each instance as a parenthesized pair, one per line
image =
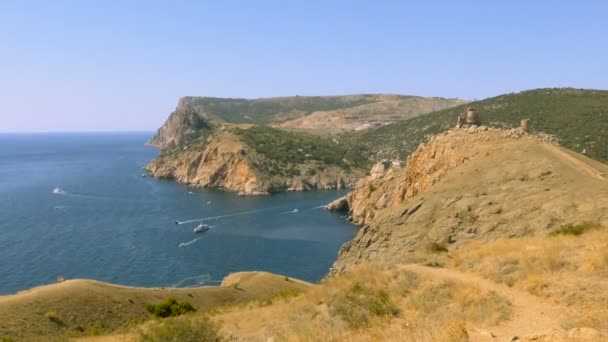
(186, 244)
(224, 216)
(291, 212)
(244, 213)
(62, 207)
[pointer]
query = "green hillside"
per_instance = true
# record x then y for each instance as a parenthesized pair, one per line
(295, 147)
(264, 111)
(577, 117)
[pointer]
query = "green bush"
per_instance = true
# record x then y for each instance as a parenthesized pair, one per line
(170, 308)
(180, 330)
(380, 305)
(575, 229)
(52, 316)
(6, 339)
(360, 303)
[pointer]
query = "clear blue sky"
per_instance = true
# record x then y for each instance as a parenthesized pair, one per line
(122, 65)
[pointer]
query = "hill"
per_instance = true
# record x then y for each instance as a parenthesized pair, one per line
(79, 307)
(385, 110)
(260, 160)
(195, 115)
(577, 117)
(472, 185)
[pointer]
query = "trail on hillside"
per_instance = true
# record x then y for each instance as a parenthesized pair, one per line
(531, 314)
(578, 164)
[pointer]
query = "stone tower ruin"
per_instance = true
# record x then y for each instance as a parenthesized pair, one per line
(468, 119)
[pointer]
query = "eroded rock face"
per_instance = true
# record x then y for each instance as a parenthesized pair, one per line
(182, 125)
(224, 161)
(465, 185)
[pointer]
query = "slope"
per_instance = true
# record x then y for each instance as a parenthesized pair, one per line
(81, 306)
(472, 184)
(577, 117)
(194, 115)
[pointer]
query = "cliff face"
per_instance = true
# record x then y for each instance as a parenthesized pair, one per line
(184, 124)
(223, 161)
(471, 184)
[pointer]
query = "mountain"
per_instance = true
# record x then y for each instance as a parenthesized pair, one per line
(194, 115)
(229, 144)
(578, 118)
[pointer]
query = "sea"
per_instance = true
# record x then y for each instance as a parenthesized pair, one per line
(77, 205)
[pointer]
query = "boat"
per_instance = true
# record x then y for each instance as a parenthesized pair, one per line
(201, 228)
(58, 191)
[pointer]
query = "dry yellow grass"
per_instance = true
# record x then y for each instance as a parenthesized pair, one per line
(371, 303)
(84, 307)
(569, 270)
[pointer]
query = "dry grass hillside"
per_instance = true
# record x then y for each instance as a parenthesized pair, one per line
(85, 307)
(473, 185)
(385, 109)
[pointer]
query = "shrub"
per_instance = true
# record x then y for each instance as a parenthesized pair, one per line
(6, 339)
(437, 247)
(182, 330)
(51, 315)
(380, 305)
(95, 329)
(359, 303)
(371, 188)
(575, 229)
(170, 308)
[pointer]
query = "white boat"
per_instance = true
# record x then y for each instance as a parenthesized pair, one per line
(201, 228)
(58, 191)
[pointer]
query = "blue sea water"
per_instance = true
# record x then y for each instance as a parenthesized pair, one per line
(114, 225)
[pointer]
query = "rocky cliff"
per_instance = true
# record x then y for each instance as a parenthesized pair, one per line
(223, 160)
(184, 124)
(467, 184)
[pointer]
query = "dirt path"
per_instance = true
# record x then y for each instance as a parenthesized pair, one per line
(576, 162)
(531, 314)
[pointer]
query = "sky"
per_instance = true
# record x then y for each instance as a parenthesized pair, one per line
(122, 65)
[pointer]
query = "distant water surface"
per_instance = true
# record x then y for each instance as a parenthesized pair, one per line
(109, 223)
